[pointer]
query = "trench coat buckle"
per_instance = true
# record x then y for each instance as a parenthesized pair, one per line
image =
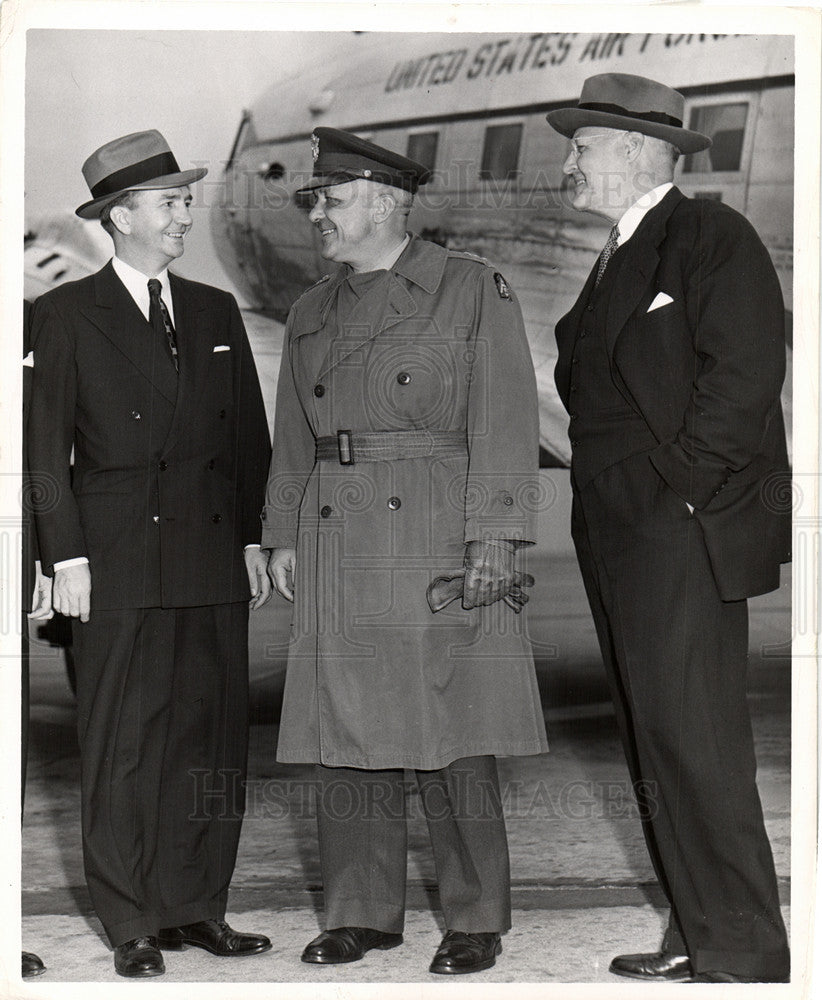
(344, 447)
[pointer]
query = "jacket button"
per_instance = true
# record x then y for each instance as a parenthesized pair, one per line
(394, 503)
(403, 378)
(136, 415)
(589, 309)
(319, 390)
(222, 414)
(508, 501)
(326, 511)
(216, 518)
(211, 463)
(163, 465)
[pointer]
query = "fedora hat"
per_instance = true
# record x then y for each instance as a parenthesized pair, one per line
(633, 104)
(140, 161)
(341, 156)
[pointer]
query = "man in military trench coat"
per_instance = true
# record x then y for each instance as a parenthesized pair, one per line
(405, 448)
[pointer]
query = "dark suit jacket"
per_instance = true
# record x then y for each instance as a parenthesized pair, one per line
(705, 371)
(169, 471)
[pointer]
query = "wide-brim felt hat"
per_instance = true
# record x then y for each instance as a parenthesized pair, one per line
(633, 104)
(140, 161)
(341, 156)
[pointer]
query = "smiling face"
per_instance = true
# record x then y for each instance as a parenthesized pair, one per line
(151, 232)
(599, 168)
(345, 216)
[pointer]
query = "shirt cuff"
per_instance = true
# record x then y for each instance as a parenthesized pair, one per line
(65, 563)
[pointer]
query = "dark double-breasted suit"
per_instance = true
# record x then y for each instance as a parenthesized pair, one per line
(696, 383)
(168, 480)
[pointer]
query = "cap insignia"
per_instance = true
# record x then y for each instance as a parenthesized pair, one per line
(315, 145)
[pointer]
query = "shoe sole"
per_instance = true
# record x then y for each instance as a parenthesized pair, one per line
(457, 971)
(181, 945)
(319, 960)
(142, 974)
(685, 978)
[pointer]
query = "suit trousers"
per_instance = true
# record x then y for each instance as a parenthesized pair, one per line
(162, 699)
(361, 817)
(676, 658)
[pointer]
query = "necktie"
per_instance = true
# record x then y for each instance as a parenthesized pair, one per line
(159, 318)
(608, 251)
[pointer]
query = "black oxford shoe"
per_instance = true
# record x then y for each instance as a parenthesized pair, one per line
(655, 967)
(347, 944)
(214, 936)
(460, 953)
(32, 965)
(138, 957)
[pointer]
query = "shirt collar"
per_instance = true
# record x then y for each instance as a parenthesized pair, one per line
(390, 259)
(137, 285)
(630, 221)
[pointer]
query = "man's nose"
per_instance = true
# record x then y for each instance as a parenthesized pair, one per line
(183, 215)
(316, 212)
(570, 164)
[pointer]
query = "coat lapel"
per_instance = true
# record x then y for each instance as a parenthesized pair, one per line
(117, 315)
(638, 266)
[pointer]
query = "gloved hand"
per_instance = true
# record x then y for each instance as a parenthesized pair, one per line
(449, 586)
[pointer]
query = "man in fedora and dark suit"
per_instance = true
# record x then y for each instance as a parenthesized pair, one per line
(153, 543)
(670, 364)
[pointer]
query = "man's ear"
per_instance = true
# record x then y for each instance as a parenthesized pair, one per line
(634, 141)
(121, 219)
(384, 206)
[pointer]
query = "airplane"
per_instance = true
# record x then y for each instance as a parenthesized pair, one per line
(472, 107)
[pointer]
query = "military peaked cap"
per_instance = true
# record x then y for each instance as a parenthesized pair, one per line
(342, 156)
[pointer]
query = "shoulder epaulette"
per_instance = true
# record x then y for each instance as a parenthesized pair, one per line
(467, 255)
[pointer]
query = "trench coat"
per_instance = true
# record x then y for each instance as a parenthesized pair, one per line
(375, 679)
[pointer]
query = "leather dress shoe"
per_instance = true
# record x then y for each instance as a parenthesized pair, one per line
(214, 936)
(347, 944)
(138, 957)
(656, 967)
(461, 953)
(32, 965)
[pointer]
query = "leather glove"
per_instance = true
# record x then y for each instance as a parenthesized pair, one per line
(448, 587)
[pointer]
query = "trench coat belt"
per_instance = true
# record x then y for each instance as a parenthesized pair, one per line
(348, 447)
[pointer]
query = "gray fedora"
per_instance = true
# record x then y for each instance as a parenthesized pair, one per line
(140, 161)
(631, 103)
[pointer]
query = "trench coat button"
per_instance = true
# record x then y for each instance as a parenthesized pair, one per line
(211, 463)
(508, 501)
(574, 361)
(326, 511)
(156, 519)
(403, 378)
(394, 503)
(136, 415)
(216, 518)
(589, 309)
(163, 465)
(319, 390)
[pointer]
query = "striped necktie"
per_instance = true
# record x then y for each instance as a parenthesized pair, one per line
(608, 252)
(159, 318)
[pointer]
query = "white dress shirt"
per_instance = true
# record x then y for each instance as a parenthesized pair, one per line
(630, 221)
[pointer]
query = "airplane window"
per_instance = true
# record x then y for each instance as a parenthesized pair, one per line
(725, 124)
(422, 147)
(500, 153)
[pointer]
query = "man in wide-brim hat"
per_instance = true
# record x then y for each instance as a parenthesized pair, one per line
(153, 544)
(670, 364)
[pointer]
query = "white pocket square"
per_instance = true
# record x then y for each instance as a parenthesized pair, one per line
(662, 299)
(221, 347)
(28, 360)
